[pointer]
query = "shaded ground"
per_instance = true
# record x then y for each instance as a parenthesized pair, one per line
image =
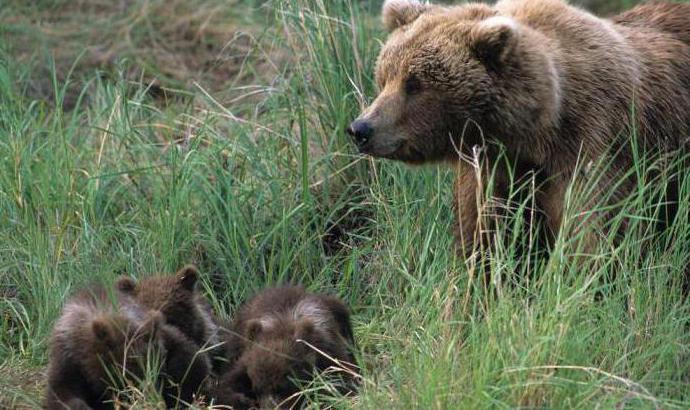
(172, 45)
(21, 387)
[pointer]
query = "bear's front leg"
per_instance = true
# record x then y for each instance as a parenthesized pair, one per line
(466, 202)
(481, 204)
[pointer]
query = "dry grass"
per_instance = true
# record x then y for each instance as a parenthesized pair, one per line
(21, 387)
(172, 45)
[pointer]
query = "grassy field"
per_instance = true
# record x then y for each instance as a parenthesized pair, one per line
(137, 136)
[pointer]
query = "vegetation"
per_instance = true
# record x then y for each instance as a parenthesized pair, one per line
(137, 136)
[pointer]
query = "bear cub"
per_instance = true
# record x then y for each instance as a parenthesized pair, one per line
(98, 345)
(183, 307)
(282, 336)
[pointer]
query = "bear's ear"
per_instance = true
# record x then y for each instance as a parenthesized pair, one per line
(254, 328)
(493, 39)
(398, 13)
(187, 277)
(126, 285)
(103, 331)
(305, 330)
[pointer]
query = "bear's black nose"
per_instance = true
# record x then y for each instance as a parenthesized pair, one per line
(360, 130)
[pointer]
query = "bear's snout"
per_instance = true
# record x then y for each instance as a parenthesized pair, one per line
(361, 131)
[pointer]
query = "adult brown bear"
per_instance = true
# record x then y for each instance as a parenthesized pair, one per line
(551, 85)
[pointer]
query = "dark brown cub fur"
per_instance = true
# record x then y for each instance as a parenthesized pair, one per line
(279, 332)
(97, 347)
(183, 307)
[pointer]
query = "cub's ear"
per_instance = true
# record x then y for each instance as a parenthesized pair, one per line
(125, 284)
(254, 328)
(493, 39)
(305, 330)
(187, 276)
(341, 314)
(103, 330)
(398, 13)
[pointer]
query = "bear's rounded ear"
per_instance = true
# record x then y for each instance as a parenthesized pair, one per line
(125, 284)
(102, 330)
(398, 13)
(493, 39)
(254, 328)
(187, 276)
(305, 330)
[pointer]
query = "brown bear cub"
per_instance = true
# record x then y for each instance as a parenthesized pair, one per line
(283, 336)
(546, 85)
(183, 307)
(98, 347)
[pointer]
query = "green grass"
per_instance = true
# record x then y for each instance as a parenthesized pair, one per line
(253, 179)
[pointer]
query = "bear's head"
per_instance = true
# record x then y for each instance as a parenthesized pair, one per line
(177, 297)
(449, 77)
(156, 292)
(117, 348)
(276, 361)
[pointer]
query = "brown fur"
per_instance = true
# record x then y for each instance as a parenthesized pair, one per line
(666, 17)
(551, 84)
(95, 343)
(270, 350)
(183, 307)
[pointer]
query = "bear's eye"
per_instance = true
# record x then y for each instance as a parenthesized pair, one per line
(412, 85)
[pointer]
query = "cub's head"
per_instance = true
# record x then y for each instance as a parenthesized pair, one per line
(275, 361)
(177, 298)
(450, 76)
(119, 346)
(157, 292)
